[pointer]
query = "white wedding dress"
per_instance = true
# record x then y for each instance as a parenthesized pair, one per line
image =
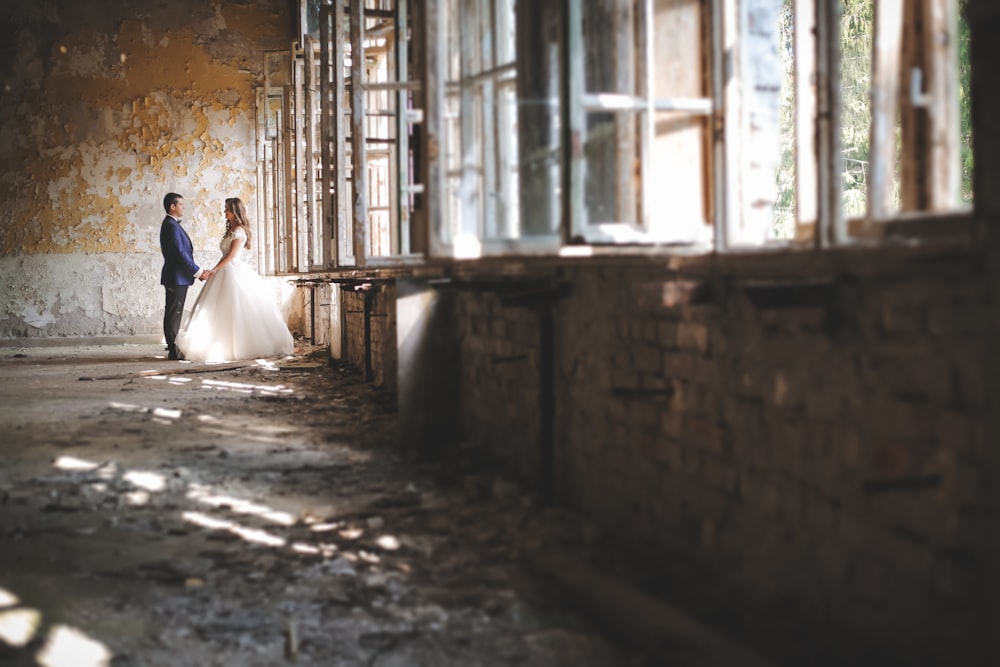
(234, 318)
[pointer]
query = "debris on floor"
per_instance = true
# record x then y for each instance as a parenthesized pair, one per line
(155, 512)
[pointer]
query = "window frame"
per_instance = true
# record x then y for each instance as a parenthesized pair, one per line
(315, 232)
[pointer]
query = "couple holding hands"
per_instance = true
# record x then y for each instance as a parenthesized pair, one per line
(232, 318)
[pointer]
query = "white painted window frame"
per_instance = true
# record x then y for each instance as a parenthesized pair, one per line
(466, 198)
(297, 237)
(580, 101)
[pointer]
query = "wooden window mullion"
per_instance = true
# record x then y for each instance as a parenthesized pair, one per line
(885, 86)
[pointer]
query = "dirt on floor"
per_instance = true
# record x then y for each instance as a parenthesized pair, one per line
(156, 512)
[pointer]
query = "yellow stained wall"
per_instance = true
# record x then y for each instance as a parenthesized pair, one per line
(104, 108)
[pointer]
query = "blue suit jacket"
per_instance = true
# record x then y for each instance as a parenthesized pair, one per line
(178, 260)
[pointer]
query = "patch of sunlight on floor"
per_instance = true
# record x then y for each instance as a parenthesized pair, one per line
(160, 415)
(127, 407)
(18, 626)
(146, 481)
(241, 506)
(73, 463)
(8, 599)
(325, 527)
(323, 549)
(308, 549)
(239, 387)
(388, 542)
(108, 471)
(240, 428)
(137, 498)
(68, 647)
(166, 413)
(244, 388)
(150, 481)
(279, 436)
(249, 534)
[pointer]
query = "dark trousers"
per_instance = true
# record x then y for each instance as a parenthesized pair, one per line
(172, 313)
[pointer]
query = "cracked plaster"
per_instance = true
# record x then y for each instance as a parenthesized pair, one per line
(105, 294)
(106, 109)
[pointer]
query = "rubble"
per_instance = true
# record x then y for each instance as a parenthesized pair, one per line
(183, 514)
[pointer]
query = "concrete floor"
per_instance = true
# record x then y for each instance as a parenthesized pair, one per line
(167, 513)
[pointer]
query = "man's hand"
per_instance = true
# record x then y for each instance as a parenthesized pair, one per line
(206, 274)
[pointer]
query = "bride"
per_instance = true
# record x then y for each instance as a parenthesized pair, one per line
(233, 318)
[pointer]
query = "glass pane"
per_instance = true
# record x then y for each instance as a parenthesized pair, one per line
(480, 127)
(501, 166)
(856, 30)
(965, 103)
(451, 163)
(538, 123)
(611, 157)
(611, 141)
(609, 36)
(679, 165)
(784, 204)
(760, 91)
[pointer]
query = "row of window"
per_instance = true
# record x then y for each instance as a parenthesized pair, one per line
(461, 128)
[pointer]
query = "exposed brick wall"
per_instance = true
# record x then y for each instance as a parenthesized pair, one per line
(354, 331)
(383, 336)
(807, 439)
(795, 439)
(498, 367)
(370, 332)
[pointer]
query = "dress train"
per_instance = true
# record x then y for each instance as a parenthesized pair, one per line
(234, 317)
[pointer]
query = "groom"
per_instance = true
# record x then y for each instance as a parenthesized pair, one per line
(179, 270)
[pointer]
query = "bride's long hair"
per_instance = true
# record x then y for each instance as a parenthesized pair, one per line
(235, 206)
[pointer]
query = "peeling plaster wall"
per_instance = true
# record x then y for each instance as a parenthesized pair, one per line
(104, 108)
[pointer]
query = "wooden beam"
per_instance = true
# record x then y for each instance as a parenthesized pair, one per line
(574, 121)
(623, 36)
(287, 133)
(328, 112)
(394, 126)
(359, 166)
(489, 124)
(470, 149)
(300, 169)
(435, 61)
(806, 166)
(722, 206)
(401, 52)
(886, 57)
(983, 18)
(832, 228)
(338, 137)
(931, 167)
(941, 43)
(307, 114)
(260, 108)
